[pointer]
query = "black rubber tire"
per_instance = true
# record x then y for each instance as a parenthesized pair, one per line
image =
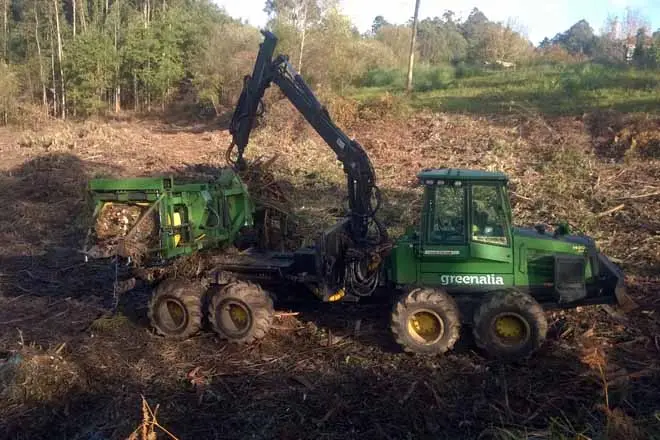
(519, 304)
(436, 301)
(187, 296)
(254, 300)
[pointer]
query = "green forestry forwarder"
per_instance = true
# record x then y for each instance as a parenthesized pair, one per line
(464, 263)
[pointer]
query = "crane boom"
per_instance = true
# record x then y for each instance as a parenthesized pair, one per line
(363, 194)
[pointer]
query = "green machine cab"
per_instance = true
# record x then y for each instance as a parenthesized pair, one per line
(467, 242)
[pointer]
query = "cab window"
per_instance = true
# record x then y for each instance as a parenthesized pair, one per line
(448, 223)
(489, 223)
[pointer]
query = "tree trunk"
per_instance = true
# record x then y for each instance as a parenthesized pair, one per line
(136, 103)
(302, 37)
(5, 30)
(59, 58)
(81, 15)
(117, 82)
(411, 61)
(74, 18)
(53, 88)
(147, 13)
(44, 96)
(216, 105)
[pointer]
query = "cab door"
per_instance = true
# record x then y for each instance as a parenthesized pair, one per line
(444, 248)
(490, 223)
(491, 249)
(467, 236)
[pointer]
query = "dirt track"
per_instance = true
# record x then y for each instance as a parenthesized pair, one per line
(314, 376)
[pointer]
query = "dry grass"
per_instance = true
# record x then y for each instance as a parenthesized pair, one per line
(40, 376)
(149, 428)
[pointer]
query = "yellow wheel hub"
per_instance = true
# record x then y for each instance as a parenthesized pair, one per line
(511, 328)
(238, 315)
(425, 326)
(176, 314)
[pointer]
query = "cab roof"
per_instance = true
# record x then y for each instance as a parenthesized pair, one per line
(460, 174)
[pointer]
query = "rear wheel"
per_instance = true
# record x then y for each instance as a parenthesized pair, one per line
(510, 325)
(241, 312)
(175, 310)
(426, 321)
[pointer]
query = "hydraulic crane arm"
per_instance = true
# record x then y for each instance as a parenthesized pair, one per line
(363, 194)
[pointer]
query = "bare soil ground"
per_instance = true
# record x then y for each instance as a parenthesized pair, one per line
(332, 371)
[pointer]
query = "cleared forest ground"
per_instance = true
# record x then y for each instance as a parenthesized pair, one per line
(318, 375)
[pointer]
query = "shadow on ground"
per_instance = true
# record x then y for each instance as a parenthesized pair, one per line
(309, 392)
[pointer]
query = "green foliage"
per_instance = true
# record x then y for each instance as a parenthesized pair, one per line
(588, 78)
(333, 66)
(578, 39)
(440, 41)
(373, 54)
(584, 78)
(579, 43)
(425, 78)
(227, 55)
(397, 38)
(465, 70)
(349, 56)
(287, 36)
(153, 55)
(391, 78)
(115, 52)
(540, 89)
(90, 70)
(653, 56)
(144, 55)
(433, 78)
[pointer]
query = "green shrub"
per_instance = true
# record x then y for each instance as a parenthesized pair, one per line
(464, 70)
(427, 78)
(587, 77)
(393, 78)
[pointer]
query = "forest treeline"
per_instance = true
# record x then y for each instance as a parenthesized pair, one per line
(81, 57)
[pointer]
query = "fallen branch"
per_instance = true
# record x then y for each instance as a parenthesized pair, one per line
(520, 196)
(641, 196)
(611, 211)
(285, 314)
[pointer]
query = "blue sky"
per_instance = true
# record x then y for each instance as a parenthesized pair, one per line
(541, 19)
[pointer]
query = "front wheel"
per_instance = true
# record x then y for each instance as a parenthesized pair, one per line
(509, 325)
(426, 321)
